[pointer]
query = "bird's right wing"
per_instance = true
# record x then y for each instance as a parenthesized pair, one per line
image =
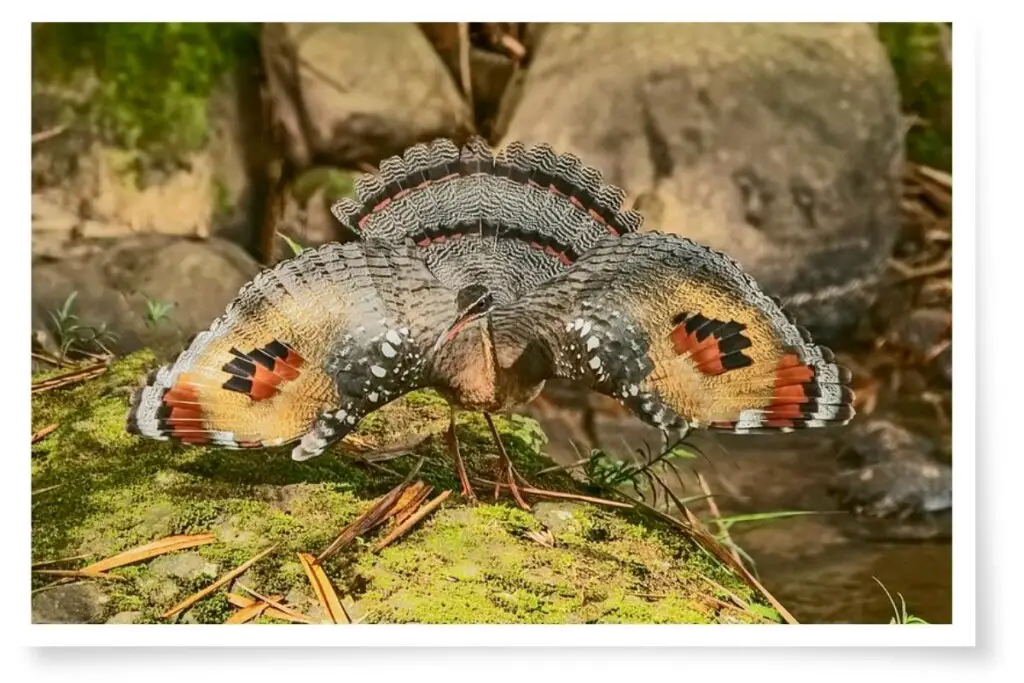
(678, 333)
(305, 350)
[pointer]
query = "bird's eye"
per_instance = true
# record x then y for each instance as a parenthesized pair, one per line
(481, 305)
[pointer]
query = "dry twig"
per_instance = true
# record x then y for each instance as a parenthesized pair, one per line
(44, 135)
(61, 560)
(716, 515)
(411, 522)
(247, 614)
(79, 375)
(559, 495)
(43, 433)
(78, 574)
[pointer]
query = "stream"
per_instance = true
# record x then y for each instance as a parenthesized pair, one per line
(821, 566)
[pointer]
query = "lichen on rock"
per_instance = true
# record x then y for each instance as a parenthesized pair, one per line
(463, 564)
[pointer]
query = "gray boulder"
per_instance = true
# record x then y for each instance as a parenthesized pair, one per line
(780, 144)
(345, 93)
(77, 603)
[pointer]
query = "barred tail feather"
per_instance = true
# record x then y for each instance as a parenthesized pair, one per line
(508, 219)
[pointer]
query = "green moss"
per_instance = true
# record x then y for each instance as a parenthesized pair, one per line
(926, 87)
(462, 564)
(153, 80)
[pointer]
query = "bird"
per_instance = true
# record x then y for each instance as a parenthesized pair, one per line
(481, 274)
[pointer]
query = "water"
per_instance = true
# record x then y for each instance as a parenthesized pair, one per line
(821, 567)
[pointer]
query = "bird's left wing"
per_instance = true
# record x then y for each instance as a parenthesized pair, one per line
(679, 334)
(304, 351)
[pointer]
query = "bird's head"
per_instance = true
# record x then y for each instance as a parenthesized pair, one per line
(465, 352)
(474, 302)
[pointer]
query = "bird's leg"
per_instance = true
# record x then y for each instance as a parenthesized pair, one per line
(460, 466)
(508, 469)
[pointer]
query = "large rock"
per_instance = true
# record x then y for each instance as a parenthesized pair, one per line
(77, 603)
(86, 187)
(115, 278)
(345, 93)
(780, 144)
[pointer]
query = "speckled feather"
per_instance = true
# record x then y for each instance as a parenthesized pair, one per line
(617, 321)
(677, 332)
(361, 316)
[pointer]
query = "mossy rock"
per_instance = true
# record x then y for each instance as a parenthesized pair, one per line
(918, 55)
(150, 82)
(463, 564)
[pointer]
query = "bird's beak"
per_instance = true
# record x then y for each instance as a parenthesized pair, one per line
(456, 326)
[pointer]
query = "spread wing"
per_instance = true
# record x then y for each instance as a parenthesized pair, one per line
(678, 333)
(304, 351)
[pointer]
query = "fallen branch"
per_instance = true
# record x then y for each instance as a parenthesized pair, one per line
(47, 563)
(403, 513)
(47, 359)
(694, 529)
(242, 602)
(716, 515)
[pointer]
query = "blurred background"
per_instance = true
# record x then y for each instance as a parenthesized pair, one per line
(170, 162)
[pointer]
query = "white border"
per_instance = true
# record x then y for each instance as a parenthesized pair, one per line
(962, 632)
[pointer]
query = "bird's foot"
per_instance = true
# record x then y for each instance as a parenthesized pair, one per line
(508, 474)
(453, 446)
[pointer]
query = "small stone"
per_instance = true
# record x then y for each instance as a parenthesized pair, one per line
(124, 618)
(183, 566)
(876, 441)
(77, 603)
(557, 517)
(158, 590)
(157, 520)
(922, 330)
(297, 598)
(466, 571)
(229, 532)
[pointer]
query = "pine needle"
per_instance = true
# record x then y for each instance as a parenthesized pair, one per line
(43, 433)
(401, 529)
(247, 614)
(242, 602)
(225, 579)
(324, 590)
(561, 495)
(88, 372)
(78, 574)
(145, 552)
(294, 613)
